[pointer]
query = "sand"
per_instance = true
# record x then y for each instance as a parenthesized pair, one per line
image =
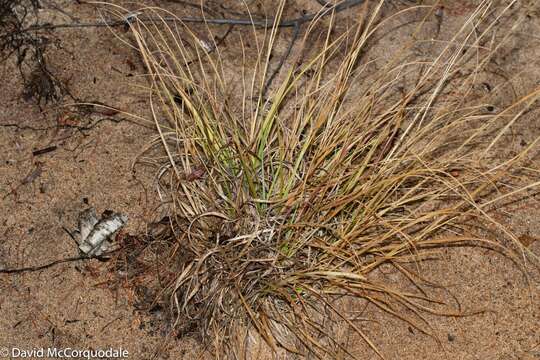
(76, 304)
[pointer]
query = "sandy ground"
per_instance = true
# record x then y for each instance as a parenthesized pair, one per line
(74, 305)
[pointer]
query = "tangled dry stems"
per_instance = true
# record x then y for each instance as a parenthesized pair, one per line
(279, 206)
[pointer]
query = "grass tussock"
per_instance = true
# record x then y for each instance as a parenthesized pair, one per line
(280, 204)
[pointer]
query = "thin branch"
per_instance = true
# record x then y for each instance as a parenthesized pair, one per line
(263, 23)
(283, 59)
(51, 264)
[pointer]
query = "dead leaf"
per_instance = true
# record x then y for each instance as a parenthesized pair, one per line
(527, 240)
(131, 64)
(67, 120)
(197, 173)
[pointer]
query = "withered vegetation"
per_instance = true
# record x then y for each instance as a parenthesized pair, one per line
(28, 47)
(277, 206)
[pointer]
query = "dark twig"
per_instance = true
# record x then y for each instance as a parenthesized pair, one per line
(81, 128)
(41, 267)
(102, 257)
(286, 54)
(53, 263)
(44, 150)
(264, 23)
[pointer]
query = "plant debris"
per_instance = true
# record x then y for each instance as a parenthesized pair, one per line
(41, 86)
(19, 39)
(95, 235)
(45, 150)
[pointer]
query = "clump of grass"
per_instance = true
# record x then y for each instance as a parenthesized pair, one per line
(280, 205)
